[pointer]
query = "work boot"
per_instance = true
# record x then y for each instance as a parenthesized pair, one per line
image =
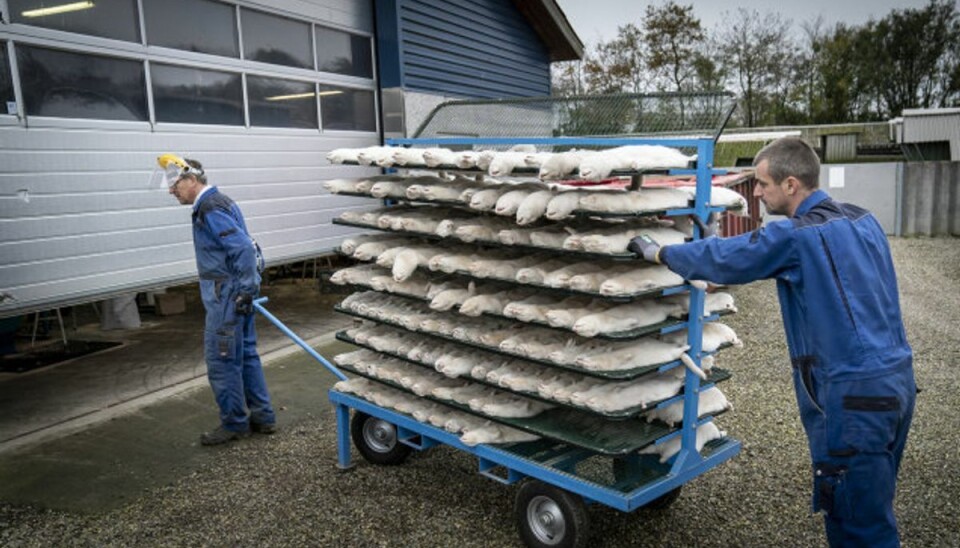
(263, 427)
(221, 435)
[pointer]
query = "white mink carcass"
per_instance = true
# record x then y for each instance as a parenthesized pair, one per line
(343, 155)
(390, 189)
(591, 281)
(705, 433)
(373, 155)
(452, 262)
(564, 203)
(485, 199)
(464, 394)
(509, 406)
(630, 354)
(483, 229)
(566, 313)
(415, 286)
(349, 245)
(714, 303)
(358, 386)
(356, 275)
(715, 335)
(656, 156)
(575, 348)
(533, 206)
(565, 393)
(492, 303)
(407, 259)
(624, 317)
(456, 364)
(550, 236)
(466, 159)
(533, 308)
(617, 242)
(598, 165)
(463, 422)
(372, 249)
(502, 268)
(647, 199)
(618, 396)
(711, 401)
(504, 163)
(450, 191)
(560, 164)
(509, 202)
(561, 276)
(494, 434)
(436, 157)
(408, 156)
(515, 236)
(640, 279)
(723, 197)
(536, 159)
(336, 186)
(445, 300)
(537, 273)
(349, 359)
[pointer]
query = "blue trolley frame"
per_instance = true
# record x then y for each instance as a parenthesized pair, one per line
(687, 464)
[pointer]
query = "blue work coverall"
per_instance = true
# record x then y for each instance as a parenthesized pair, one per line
(852, 366)
(228, 262)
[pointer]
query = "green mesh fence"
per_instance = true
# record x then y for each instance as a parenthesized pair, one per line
(642, 115)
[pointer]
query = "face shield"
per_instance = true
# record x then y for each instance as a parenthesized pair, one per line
(170, 169)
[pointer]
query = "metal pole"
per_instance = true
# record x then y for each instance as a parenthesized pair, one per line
(286, 331)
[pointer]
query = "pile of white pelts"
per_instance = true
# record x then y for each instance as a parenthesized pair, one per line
(588, 164)
(450, 320)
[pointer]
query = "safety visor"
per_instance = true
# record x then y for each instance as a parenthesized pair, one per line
(166, 177)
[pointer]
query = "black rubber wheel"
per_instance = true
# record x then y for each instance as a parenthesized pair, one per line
(624, 468)
(376, 439)
(549, 517)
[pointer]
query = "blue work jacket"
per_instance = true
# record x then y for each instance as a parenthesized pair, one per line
(835, 279)
(224, 249)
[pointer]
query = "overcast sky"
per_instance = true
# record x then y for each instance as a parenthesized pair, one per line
(598, 19)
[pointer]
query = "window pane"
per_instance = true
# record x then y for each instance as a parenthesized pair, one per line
(344, 53)
(196, 96)
(273, 39)
(281, 103)
(8, 103)
(75, 85)
(193, 25)
(107, 18)
(343, 108)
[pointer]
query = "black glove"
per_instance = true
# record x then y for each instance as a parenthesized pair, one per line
(711, 227)
(244, 304)
(646, 247)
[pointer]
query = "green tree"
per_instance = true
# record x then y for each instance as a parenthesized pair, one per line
(672, 35)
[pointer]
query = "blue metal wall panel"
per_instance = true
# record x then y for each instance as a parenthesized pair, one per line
(473, 48)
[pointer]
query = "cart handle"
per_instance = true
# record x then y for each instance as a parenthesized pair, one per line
(286, 331)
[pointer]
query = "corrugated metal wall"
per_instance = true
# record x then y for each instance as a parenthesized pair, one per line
(479, 48)
(931, 127)
(931, 199)
(78, 220)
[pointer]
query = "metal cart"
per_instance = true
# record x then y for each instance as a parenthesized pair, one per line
(580, 458)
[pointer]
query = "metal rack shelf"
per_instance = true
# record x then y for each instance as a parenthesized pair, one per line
(609, 437)
(717, 375)
(622, 374)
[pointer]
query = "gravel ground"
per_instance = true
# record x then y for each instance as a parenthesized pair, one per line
(287, 491)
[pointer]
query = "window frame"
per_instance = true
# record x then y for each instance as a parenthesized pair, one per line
(14, 34)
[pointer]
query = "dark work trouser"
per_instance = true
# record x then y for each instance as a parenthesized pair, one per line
(857, 431)
(233, 365)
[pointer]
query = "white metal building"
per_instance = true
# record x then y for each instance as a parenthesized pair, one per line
(91, 92)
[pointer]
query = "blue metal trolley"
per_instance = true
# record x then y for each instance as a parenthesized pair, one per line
(576, 461)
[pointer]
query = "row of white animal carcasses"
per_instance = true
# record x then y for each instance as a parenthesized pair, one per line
(589, 164)
(529, 202)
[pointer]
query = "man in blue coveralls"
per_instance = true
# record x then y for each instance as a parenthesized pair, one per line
(229, 264)
(852, 366)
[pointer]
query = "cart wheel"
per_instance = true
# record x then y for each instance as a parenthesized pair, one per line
(548, 516)
(625, 468)
(376, 439)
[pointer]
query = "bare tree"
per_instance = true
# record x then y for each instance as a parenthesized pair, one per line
(755, 49)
